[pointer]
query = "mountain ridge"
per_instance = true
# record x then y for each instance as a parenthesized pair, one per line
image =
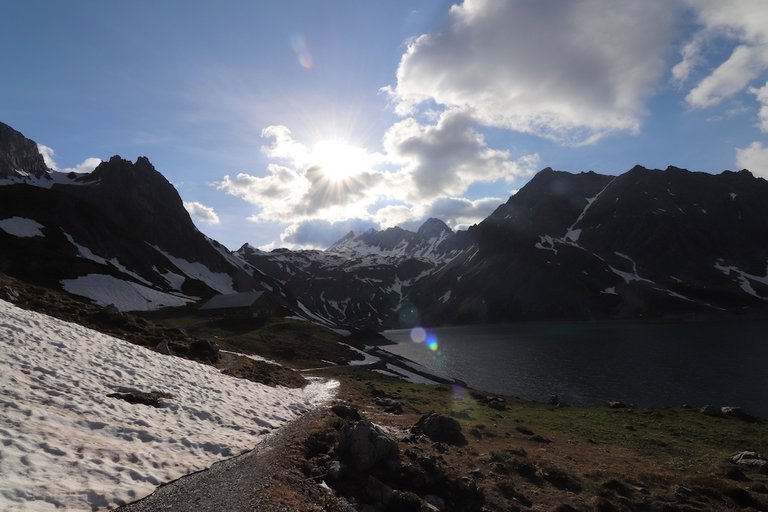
(644, 244)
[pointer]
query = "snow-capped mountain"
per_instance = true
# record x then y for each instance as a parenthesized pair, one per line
(364, 279)
(644, 244)
(119, 235)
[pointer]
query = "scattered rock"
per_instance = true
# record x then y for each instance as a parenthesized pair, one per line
(391, 406)
(164, 348)
(377, 490)
(737, 475)
(751, 459)
(435, 501)
(9, 294)
(616, 404)
(524, 430)
(140, 397)
(711, 410)
(441, 428)
(346, 412)
(509, 492)
(743, 498)
(365, 445)
(205, 350)
(540, 439)
(738, 413)
(402, 501)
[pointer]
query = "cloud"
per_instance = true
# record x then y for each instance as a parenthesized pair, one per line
(754, 158)
(448, 157)
(458, 211)
(86, 166)
(762, 96)
(744, 23)
(201, 213)
(338, 182)
(569, 71)
(321, 233)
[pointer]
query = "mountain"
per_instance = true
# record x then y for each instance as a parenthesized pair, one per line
(363, 279)
(119, 235)
(645, 244)
(19, 157)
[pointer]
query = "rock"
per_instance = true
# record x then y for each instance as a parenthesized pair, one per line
(743, 498)
(711, 410)
(540, 439)
(9, 294)
(435, 501)
(391, 406)
(139, 397)
(364, 445)
(524, 430)
(616, 404)
(346, 412)
(334, 471)
(510, 493)
(737, 412)
(402, 501)
(164, 348)
(564, 507)
(498, 404)
(112, 310)
(751, 459)
(205, 350)
(441, 428)
(737, 475)
(377, 490)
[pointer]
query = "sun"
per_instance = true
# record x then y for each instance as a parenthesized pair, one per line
(339, 160)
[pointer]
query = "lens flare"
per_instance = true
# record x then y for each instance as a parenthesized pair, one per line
(432, 343)
(418, 335)
(299, 47)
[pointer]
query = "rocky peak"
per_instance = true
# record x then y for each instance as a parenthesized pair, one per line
(20, 156)
(432, 228)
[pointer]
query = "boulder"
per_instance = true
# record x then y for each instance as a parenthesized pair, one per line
(391, 406)
(750, 459)
(205, 350)
(365, 445)
(346, 412)
(737, 412)
(441, 428)
(711, 410)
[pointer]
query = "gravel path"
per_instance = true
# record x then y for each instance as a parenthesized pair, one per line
(255, 480)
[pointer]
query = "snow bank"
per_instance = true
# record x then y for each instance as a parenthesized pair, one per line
(21, 227)
(65, 444)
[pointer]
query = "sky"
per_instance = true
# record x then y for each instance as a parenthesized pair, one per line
(288, 124)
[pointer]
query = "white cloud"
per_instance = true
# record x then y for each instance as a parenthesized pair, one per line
(762, 96)
(743, 22)
(338, 182)
(47, 154)
(86, 166)
(320, 233)
(201, 213)
(448, 157)
(570, 71)
(753, 158)
(458, 211)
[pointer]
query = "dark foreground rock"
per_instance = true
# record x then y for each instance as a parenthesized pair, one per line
(441, 428)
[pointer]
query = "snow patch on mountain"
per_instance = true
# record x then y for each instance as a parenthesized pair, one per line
(21, 227)
(218, 281)
(66, 445)
(743, 278)
(125, 295)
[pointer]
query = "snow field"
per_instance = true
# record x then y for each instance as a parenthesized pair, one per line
(64, 444)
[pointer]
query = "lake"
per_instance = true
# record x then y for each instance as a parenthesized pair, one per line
(651, 365)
